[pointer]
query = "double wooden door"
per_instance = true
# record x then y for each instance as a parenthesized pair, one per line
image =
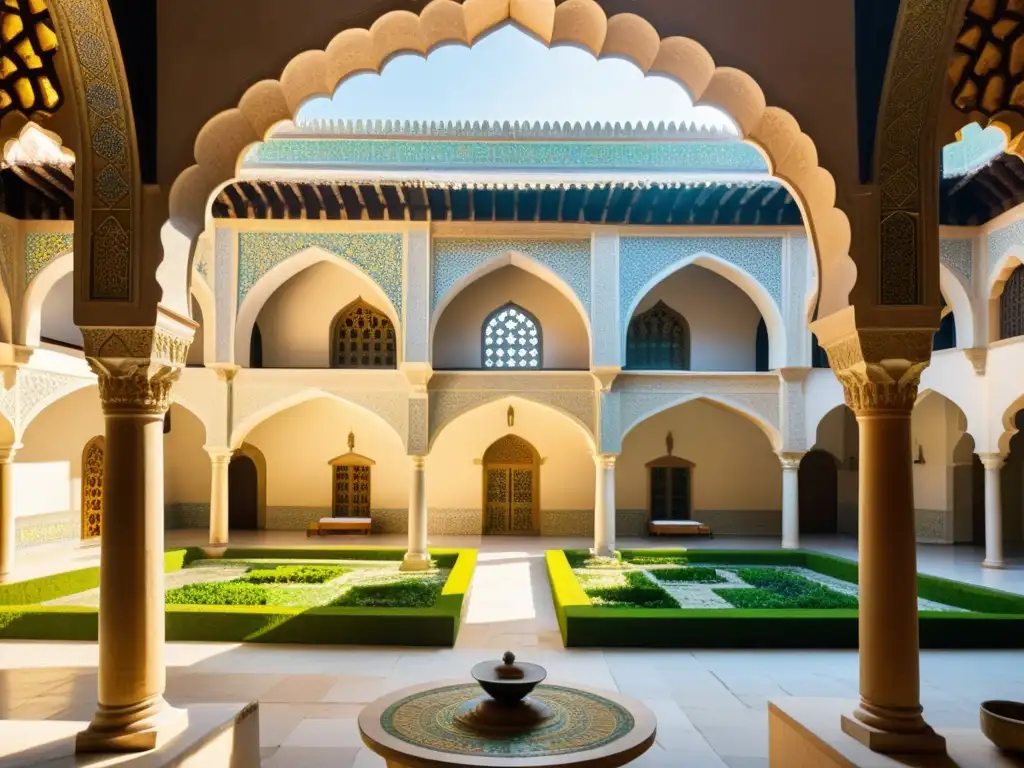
(510, 499)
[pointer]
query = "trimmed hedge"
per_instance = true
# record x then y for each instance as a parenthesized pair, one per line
(584, 625)
(407, 593)
(780, 590)
(437, 626)
(218, 593)
(636, 591)
(689, 575)
(294, 574)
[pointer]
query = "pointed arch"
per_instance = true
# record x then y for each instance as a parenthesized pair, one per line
(770, 430)
(665, 327)
(757, 293)
(203, 295)
(790, 153)
(958, 297)
(360, 332)
(243, 427)
(35, 296)
(511, 333)
(281, 273)
(521, 261)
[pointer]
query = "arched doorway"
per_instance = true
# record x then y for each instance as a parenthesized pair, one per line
(92, 488)
(819, 493)
(511, 488)
(243, 494)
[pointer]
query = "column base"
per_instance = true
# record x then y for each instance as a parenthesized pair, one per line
(603, 552)
(121, 729)
(791, 545)
(922, 742)
(996, 565)
(415, 562)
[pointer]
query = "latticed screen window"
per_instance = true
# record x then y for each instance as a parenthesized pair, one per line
(362, 337)
(352, 491)
(512, 339)
(658, 340)
(1011, 306)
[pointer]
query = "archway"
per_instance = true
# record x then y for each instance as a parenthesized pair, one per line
(819, 493)
(791, 154)
(243, 494)
(511, 488)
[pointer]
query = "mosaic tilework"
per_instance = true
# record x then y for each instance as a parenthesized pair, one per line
(187, 515)
(294, 518)
(933, 526)
(567, 522)
(958, 254)
(630, 523)
(389, 520)
(37, 530)
(450, 521)
(1003, 240)
(378, 255)
(468, 153)
(43, 247)
(742, 522)
(641, 259)
(454, 258)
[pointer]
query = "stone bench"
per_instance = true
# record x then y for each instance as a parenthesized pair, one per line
(679, 528)
(326, 525)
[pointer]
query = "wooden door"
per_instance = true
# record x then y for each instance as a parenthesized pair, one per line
(818, 482)
(511, 492)
(243, 494)
(669, 488)
(92, 488)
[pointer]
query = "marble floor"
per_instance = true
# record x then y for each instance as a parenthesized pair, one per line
(710, 704)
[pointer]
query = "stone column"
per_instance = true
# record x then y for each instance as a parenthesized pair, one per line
(880, 382)
(7, 532)
(993, 463)
(417, 558)
(134, 389)
(604, 506)
(220, 461)
(790, 500)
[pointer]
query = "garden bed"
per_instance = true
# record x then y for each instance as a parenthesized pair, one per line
(754, 599)
(323, 595)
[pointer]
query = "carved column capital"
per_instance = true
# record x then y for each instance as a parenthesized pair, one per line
(137, 366)
(605, 460)
(992, 461)
(790, 460)
(419, 463)
(880, 370)
(8, 452)
(220, 455)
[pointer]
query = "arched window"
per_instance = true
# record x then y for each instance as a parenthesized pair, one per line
(512, 339)
(945, 337)
(761, 347)
(362, 337)
(818, 357)
(256, 348)
(1011, 306)
(658, 340)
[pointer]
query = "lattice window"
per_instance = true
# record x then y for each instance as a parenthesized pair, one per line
(512, 339)
(362, 337)
(352, 491)
(92, 488)
(28, 46)
(1011, 306)
(658, 340)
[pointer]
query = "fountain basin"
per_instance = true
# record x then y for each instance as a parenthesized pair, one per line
(1002, 722)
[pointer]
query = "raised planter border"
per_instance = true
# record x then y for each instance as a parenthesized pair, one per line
(23, 618)
(997, 621)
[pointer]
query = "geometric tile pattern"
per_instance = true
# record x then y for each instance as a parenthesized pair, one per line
(454, 258)
(958, 255)
(43, 247)
(642, 258)
(378, 255)
(1003, 239)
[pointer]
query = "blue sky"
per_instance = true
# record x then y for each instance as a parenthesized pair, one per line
(509, 75)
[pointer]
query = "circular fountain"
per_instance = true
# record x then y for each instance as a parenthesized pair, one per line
(506, 703)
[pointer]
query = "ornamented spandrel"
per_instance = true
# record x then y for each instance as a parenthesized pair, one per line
(108, 190)
(92, 488)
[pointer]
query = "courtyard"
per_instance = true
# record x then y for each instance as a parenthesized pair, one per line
(711, 705)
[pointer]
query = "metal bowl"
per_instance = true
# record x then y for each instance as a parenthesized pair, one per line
(508, 691)
(1002, 722)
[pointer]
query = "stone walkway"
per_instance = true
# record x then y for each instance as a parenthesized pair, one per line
(711, 705)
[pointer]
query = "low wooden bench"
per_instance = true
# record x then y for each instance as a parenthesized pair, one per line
(326, 525)
(679, 528)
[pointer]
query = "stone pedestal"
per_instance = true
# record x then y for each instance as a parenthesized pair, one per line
(604, 506)
(993, 463)
(417, 558)
(790, 500)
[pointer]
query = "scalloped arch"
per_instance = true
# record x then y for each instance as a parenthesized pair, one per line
(790, 153)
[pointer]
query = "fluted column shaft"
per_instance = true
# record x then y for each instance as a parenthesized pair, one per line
(790, 499)
(417, 557)
(993, 463)
(7, 531)
(220, 464)
(604, 506)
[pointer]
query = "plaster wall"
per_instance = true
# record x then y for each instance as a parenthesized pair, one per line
(57, 321)
(195, 352)
(722, 319)
(295, 323)
(724, 446)
(458, 334)
(186, 465)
